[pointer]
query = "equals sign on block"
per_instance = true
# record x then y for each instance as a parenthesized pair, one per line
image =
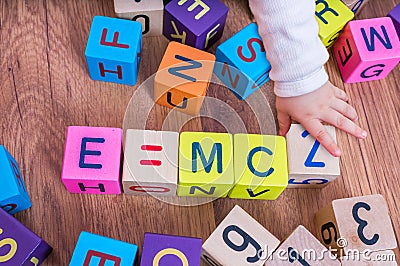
(151, 148)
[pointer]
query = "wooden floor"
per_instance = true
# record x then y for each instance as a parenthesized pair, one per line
(45, 87)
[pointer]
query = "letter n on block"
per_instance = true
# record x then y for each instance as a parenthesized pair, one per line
(150, 162)
(113, 50)
(93, 249)
(261, 170)
(183, 77)
(205, 164)
(92, 159)
(367, 50)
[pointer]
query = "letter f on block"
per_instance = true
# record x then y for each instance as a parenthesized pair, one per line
(196, 149)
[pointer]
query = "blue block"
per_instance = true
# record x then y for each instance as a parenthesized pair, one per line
(14, 196)
(241, 62)
(113, 50)
(94, 250)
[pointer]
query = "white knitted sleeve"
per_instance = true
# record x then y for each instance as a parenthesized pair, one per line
(290, 35)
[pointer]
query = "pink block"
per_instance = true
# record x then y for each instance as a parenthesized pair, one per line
(367, 50)
(92, 160)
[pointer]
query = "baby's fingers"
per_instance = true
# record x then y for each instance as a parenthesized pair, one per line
(345, 109)
(341, 94)
(284, 122)
(317, 130)
(340, 121)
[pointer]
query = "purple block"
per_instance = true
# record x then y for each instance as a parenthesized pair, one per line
(166, 250)
(197, 23)
(395, 16)
(19, 245)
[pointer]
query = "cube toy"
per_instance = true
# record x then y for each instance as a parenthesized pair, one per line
(239, 240)
(394, 14)
(94, 249)
(241, 62)
(297, 247)
(332, 16)
(205, 164)
(92, 159)
(165, 250)
(148, 13)
(359, 223)
(378, 258)
(183, 77)
(19, 245)
(113, 50)
(260, 163)
(367, 50)
(13, 194)
(197, 23)
(355, 5)
(151, 162)
(310, 164)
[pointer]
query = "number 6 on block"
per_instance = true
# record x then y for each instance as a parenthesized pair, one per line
(239, 240)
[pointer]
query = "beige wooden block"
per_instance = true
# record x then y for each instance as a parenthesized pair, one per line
(378, 258)
(148, 12)
(150, 162)
(310, 164)
(355, 5)
(302, 248)
(239, 240)
(360, 224)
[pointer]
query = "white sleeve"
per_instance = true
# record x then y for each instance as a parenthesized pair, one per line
(290, 35)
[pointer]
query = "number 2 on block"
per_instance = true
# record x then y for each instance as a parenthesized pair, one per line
(309, 161)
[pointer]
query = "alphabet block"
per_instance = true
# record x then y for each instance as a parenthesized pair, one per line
(332, 16)
(113, 50)
(239, 240)
(310, 164)
(378, 258)
(355, 5)
(165, 250)
(14, 196)
(395, 16)
(359, 223)
(367, 50)
(197, 23)
(19, 245)
(93, 249)
(148, 13)
(205, 164)
(151, 162)
(92, 160)
(241, 62)
(260, 167)
(303, 247)
(183, 77)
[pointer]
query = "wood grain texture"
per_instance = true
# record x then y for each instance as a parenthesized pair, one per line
(45, 87)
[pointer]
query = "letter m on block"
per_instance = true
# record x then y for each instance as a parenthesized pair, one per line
(207, 164)
(177, 71)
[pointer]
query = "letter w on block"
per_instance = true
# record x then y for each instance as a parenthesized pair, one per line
(103, 258)
(196, 149)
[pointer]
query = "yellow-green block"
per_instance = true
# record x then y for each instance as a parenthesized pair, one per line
(205, 164)
(332, 16)
(261, 170)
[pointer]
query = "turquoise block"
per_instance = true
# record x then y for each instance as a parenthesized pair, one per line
(242, 64)
(14, 196)
(94, 250)
(113, 50)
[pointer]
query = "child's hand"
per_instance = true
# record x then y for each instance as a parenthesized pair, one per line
(327, 104)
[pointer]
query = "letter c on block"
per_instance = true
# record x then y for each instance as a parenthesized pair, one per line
(170, 251)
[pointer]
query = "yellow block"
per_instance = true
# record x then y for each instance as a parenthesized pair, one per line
(332, 16)
(205, 164)
(261, 170)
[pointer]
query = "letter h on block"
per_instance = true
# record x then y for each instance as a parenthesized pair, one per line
(367, 50)
(241, 62)
(92, 159)
(93, 249)
(151, 162)
(14, 196)
(113, 50)
(183, 77)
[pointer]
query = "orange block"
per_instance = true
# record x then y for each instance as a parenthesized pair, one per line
(183, 77)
